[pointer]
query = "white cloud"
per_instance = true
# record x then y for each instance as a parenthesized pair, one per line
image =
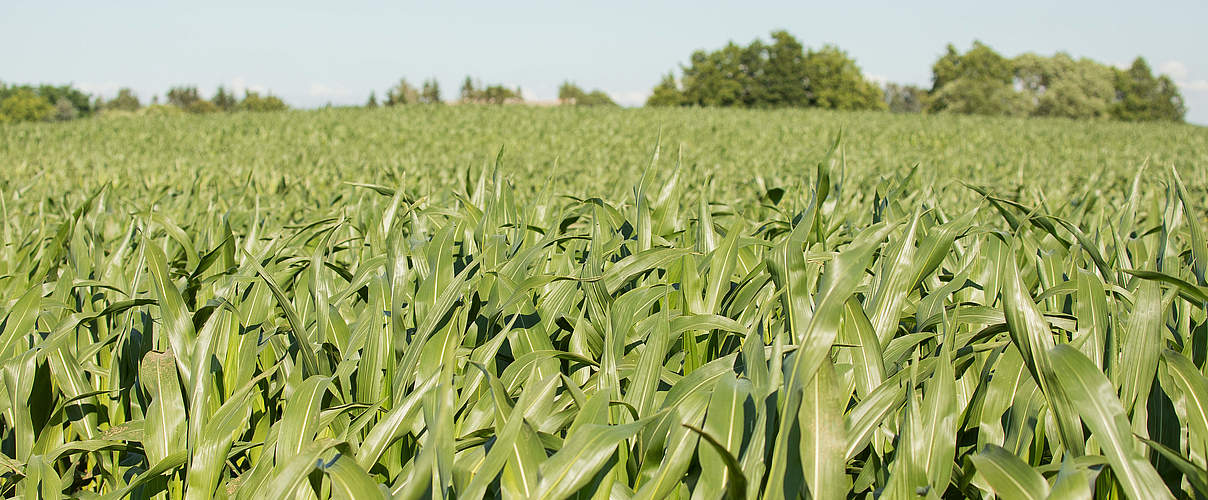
(1180, 73)
(528, 95)
(326, 91)
(630, 97)
(1175, 69)
(239, 85)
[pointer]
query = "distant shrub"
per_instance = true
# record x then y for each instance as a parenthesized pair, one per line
(24, 105)
(253, 101)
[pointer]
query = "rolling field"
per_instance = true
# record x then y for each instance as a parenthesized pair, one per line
(617, 304)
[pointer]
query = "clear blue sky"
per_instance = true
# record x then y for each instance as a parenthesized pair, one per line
(313, 52)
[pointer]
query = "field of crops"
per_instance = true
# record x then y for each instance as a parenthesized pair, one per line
(470, 302)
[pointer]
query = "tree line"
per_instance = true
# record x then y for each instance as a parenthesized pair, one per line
(473, 91)
(783, 73)
(29, 103)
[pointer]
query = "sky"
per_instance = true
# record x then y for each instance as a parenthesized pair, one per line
(315, 52)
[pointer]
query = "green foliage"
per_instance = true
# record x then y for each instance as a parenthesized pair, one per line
(475, 93)
(402, 94)
(969, 96)
(224, 100)
(666, 93)
(309, 311)
(78, 100)
(978, 82)
(1062, 87)
(125, 100)
(372, 102)
(23, 105)
(782, 74)
(29, 102)
(833, 81)
(253, 101)
(573, 95)
(1142, 97)
(188, 99)
(430, 94)
(981, 81)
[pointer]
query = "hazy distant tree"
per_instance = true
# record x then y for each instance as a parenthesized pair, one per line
(430, 93)
(187, 98)
(183, 96)
(784, 74)
(372, 100)
(253, 101)
(666, 93)
(469, 92)
(571, 94)
(78, 99)
(905, 98)
(833, 81)
(472, 92)
(223, 100)
(499, 94)
(1140, 96)
(401, 94)
(64, 110)
(980, 81)
(717, 78)
(124, 101)
(780, 74)
(1060, 86)
(23, 105)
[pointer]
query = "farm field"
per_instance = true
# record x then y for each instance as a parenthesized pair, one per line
(470, 302)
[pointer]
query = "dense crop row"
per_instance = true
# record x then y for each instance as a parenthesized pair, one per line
(852, 328)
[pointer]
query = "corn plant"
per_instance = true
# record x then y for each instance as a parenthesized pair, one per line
(867, 336)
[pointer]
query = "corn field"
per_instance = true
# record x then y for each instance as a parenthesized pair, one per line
(833, 329)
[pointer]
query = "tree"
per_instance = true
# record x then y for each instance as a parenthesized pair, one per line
(666, 93)
(833, 81)
(717, 78)
(65, 111)
(498, 94)
(23, 105)
(430, 94)
(124, 101)
(573, 95)
(905, 98)
(469, 92)
(976, 82)
(1059, 86)
(223, 100)
(1142, 97)
(569, 93)
(254, 102)
(491, 94)
(372, 100)
(187, 98)
(77, 98)
(780, 74)
(401, 94)
(784, 76)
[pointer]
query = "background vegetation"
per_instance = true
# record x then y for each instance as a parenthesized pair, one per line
(978, 81)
